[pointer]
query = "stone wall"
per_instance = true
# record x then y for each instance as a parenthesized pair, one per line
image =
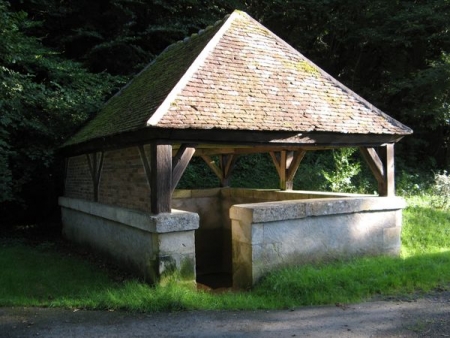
(272, 235)
(209, 238)
(150, 246)
(213, 238)
(123, 181)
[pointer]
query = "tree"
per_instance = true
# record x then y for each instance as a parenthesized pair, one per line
(43, 99)
(393, 53)
(119, 36)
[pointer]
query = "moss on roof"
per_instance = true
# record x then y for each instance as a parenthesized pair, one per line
(243, 77)
(132, 106)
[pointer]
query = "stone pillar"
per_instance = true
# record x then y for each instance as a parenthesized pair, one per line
(150, 246)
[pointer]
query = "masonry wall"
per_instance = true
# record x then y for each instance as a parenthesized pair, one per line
(123, 181)
(151, 246)
(213, 239)
(78, 179)
(273, 235)
(209, 237)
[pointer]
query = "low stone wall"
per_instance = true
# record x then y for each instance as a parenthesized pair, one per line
(268, 236)
(213, 238)
(150, 246)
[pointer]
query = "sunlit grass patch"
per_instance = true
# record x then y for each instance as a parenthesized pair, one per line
(41, 276)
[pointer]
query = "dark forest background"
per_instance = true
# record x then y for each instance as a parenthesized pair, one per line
(60, 60)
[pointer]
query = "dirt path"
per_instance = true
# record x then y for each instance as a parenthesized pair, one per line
(423, 317)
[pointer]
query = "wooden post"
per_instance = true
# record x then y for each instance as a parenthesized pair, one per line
(387, 156)
(161, 178)
(287, 163)
(227, 163)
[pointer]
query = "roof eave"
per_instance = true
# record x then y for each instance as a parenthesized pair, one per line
(310, 140)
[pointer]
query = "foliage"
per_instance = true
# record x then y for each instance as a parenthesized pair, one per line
(441, 190)
(120, 36)
(426, 230)
(340, 179)
(395, 54)
(198, 176)
(43, 98)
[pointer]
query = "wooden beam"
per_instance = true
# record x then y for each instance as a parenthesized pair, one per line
(388, 154)
(180, 163)
(95, 167)
(214, 167)
(227, 163)
(146, 164)
(286, 164)
(293, 167)
(283, 166)
(161, 178)
(381, 163)
(312, 140)
(224, 169)
(374, 162)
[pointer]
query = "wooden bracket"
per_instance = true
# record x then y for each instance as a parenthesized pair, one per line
(180, 162)
(146, 164)
(224, 169)
(287, 164)
(66, 171)
(381, 163)
(95, 162)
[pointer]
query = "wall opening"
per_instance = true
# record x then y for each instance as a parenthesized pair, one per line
(212, 238)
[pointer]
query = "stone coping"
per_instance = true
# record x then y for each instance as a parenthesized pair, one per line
(177, 220)
(253, 192)
(285, 210)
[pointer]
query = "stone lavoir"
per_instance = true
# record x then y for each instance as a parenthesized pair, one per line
(231, 90)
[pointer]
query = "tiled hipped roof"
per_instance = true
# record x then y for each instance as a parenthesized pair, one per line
(237, 75)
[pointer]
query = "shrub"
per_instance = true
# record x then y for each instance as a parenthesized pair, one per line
(441, 190)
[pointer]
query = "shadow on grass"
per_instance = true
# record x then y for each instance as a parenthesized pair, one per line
(36, 276)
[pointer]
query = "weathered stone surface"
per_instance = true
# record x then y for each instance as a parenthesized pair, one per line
(177, 220)
(148, 245)
(209, 244)
(279, 234)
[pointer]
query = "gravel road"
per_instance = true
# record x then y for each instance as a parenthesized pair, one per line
(427, 316)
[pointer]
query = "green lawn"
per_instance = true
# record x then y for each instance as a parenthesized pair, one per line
(41, 276)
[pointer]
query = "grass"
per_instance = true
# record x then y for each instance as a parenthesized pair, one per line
(40, 276)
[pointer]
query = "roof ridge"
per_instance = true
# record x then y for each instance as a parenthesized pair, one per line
(169, 47)
(163, 108)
